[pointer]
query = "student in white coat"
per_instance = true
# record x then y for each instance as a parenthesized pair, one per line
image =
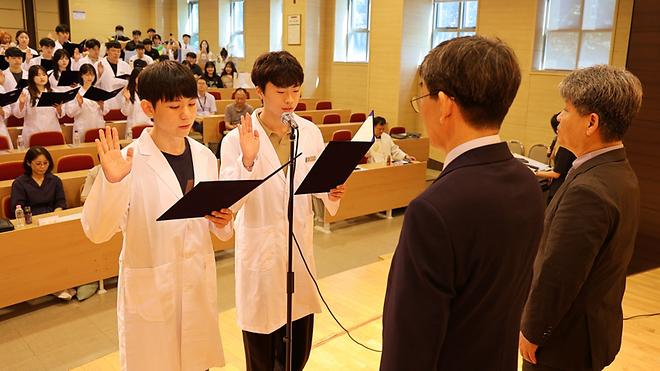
(15, 72)
(259, 147)
(62, 63)
(4, 113)
(110, 68)
(62, 32)
(384, 146)
(166, 301)
(47, 46)
(37, 119)
(131, 106)
(93, 47)
(87, 114)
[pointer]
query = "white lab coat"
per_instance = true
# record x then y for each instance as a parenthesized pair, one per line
(383, 147)
(6, 112)
(10, 82)
(86, 117)
(37, 119)
(135, 116)
(166, 301)
(145, 58)
(108, 80)
(75, 66)
(262, 231)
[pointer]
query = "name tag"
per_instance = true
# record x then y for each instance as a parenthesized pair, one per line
(310, 159)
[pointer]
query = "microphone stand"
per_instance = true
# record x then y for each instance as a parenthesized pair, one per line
(289, 275)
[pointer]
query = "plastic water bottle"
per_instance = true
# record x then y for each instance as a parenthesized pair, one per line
(76, 138)
(129, 134)
(20, 217)
(19, 142)
(28, 215)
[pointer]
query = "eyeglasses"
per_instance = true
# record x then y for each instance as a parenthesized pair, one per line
(414, 101)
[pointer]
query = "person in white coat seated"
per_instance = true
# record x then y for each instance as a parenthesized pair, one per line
(131, 106)
(384, 146)
(167, 298)
(110, 68)
(37, 119)
(15, 72)
(87, 114)
(258, 147)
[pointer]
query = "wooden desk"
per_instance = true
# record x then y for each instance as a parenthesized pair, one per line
(379, 187)
(220, 105)
(225, 93)
(67, 131)
(39, 260)
(58, 151)
(211, 124)
(416, 147)
(71, 181)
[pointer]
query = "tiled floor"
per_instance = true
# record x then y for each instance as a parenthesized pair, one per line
(46, 334)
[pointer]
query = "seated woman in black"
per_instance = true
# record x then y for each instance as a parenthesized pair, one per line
(38, 187)
(562, 162)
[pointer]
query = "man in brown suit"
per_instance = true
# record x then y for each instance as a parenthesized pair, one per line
(573, 318)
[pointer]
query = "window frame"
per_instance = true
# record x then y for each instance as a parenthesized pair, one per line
(193, 27)
(233, 32)
(460, 29)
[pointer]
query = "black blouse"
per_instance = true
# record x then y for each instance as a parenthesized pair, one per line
(563, 162)
(41, 199)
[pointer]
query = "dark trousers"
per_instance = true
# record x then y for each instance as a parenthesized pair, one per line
(267, 352)
(530, 367)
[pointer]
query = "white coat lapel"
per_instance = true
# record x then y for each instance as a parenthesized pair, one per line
(158, 163)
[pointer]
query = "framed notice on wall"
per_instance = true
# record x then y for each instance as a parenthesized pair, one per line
(293, 29)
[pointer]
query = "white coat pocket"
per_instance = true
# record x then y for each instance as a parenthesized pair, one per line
(255, 247)
(149, 292)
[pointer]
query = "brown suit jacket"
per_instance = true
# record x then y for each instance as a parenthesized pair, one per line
(574, 307)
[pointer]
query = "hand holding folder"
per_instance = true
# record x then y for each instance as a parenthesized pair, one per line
(97, 94)
(52, 98)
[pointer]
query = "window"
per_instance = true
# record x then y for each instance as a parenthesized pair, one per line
(575, 33)
(352, 31)
(237, 37)
(192, 22)
(453, 19)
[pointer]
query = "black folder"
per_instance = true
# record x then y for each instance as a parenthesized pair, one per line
(210, 196)
(71, 47)
(97, 94)
(68, 78)
(3, 63)
(10, 97)
(335, 164)
(123, 77)
(52, 98)
(47, 64)
(23, 83)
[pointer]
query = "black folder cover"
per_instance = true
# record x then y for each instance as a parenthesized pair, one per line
(97, 94)
(71, 47)
(68, 78)
(47, 64)
(3, 62)
(10, 97)
(48, 99)
(212, 196)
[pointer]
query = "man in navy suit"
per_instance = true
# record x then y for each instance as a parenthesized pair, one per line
(462, 270)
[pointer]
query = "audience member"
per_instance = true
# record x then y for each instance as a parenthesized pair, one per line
(562, 160)
(384, 147)
(211, 76)
(228, 75)
(573, 317)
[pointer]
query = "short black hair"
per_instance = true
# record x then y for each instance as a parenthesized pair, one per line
(92, 43)
(137, 32)
(113, 44)
(379, 120)
(139, 63)
(191, 55)
(147, 41)
(13, 52)
(62, 28)
(119, 28)
(281, 69)
(47, 41)
(32, 154)
(185, 35)
(163, 57)
(151, 30)
(157, 36)
(166, 81)
(139, 46)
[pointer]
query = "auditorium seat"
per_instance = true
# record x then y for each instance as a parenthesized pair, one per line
(11, 170)
(216, 95)
(13, 121)
(47, 138)
(516, 146)
(65, 120)
(331, 118)
(323, 104)
(307, 117)
(75, 162)
(6, 206)
(358, 117)
(301, 107)
(397, 130)
(341, 136)
(91, 135)
(114, 115)
(137, 130)
(4, 142)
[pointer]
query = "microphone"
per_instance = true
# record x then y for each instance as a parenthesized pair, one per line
(289, 120)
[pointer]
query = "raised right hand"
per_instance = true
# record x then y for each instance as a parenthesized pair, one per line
(99, 68)
(249, 140)
(115, 166)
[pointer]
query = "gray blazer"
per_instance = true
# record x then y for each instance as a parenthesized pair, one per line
(574, 307)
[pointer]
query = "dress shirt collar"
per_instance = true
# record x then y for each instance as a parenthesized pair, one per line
(470, 145)
(588, 156)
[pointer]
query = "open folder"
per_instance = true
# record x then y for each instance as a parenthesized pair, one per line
(338, 160)
(97, 94)
(51, 98)
(68, 78)
(10, 97)
(210, 196)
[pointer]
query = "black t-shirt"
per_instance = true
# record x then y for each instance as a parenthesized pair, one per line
(18, 76)
(114, 67)
(182, 165)
(563, 162)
